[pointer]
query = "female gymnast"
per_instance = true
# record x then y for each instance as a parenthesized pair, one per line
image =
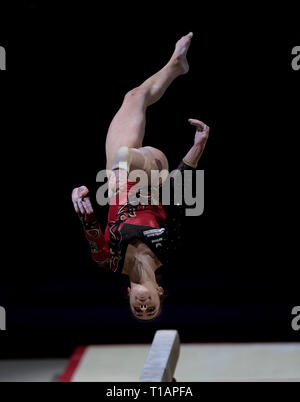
(138, 239)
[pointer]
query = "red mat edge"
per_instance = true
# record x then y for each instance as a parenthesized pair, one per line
(72, 364)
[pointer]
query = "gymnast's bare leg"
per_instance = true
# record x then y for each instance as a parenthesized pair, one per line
(125, 136)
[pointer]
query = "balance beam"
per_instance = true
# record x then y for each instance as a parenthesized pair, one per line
(162, 358)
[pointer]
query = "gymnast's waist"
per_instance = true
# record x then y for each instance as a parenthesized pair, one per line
(123, 190)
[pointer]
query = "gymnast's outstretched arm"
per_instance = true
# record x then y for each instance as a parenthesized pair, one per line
(176, 212)
(202, 131)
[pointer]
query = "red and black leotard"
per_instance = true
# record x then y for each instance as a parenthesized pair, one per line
(127, 222)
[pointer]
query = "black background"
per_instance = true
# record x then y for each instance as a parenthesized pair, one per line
(236, 277)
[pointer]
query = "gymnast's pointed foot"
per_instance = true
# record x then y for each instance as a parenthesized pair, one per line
(178, 58)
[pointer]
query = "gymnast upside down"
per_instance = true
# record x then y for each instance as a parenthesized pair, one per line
(136, 240)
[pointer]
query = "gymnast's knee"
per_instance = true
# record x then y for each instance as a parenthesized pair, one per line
(122, 159)
(128, 159)
(138, 91)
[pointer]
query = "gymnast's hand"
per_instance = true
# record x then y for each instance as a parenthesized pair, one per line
(82, 203)
(202, 132)
(201, 136)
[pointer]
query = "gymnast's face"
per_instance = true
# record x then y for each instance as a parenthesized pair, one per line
(144, 302)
